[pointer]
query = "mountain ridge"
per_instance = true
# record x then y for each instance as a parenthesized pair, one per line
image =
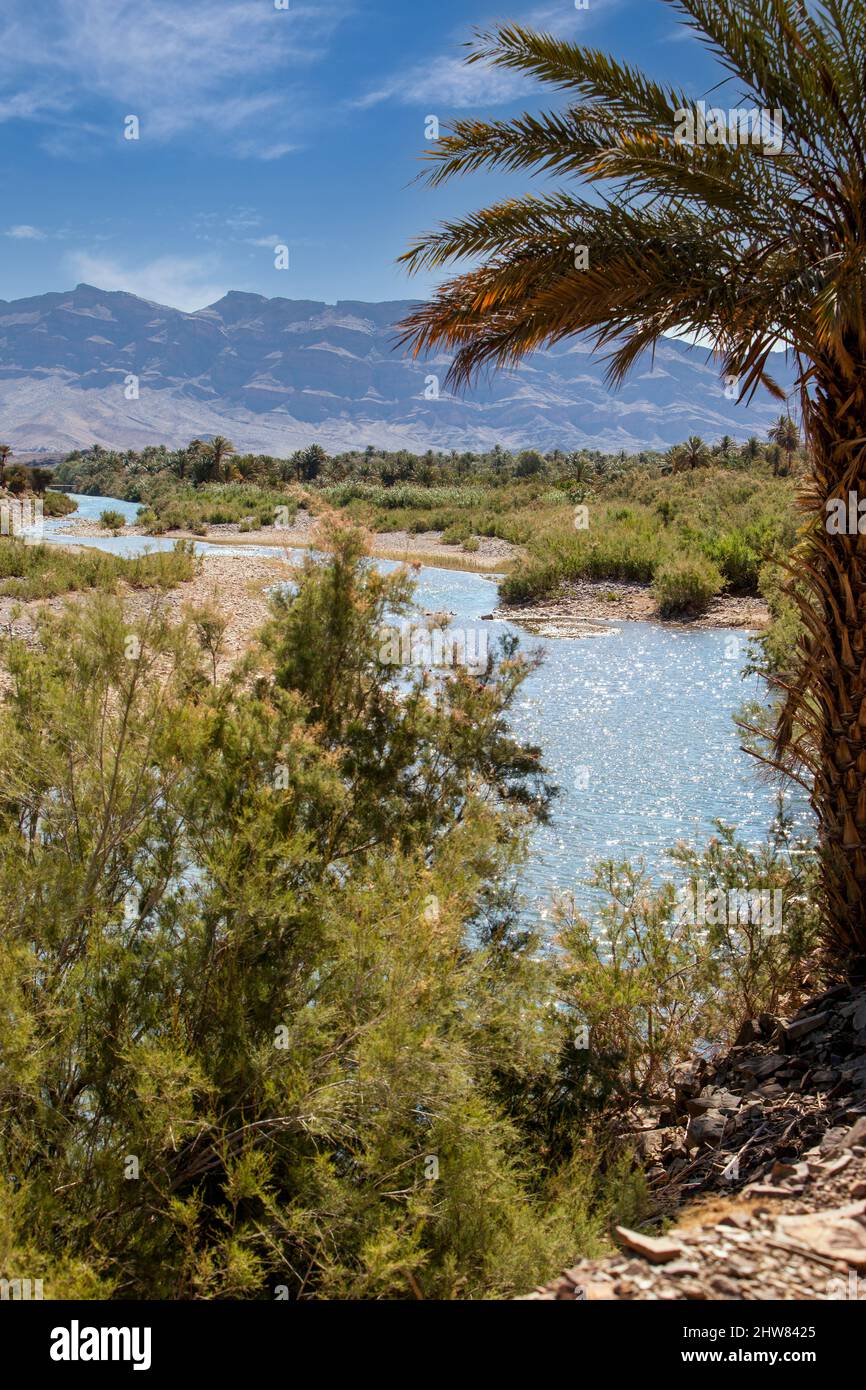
(88, 366)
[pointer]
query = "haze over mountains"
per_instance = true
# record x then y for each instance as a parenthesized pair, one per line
(276, 374)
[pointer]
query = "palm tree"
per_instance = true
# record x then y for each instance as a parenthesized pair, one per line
(5, 454)
(218, 451)
(751, 450)
(309, 462)
(787, 436)
(745, 244)
(189, 457)
(693, 454)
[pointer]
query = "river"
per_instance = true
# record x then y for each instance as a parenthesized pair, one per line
(636, 727)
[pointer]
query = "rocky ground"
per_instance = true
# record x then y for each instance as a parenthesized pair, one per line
(237, 586)
(761, 1156)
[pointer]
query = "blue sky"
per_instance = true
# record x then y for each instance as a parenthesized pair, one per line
(258, 126)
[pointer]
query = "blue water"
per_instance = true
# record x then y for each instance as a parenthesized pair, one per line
(635, 726)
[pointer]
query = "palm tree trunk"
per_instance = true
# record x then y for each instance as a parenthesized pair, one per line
(825, 714)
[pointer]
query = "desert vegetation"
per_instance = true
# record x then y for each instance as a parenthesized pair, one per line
(276, 1020)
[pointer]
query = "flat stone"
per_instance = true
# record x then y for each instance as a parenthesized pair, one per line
(766, 1189)
(737, 1219)
(782, 1171)
(834, 1139)
(835, 1165)
(838, 1233)
(836, 992)
(656, 1249)
(761, 1067)
(713, 1098)
(771, 1090)
(824, 1077)
(857, 1133)
(705, 1129)
(725, 1286)
(801, 1026)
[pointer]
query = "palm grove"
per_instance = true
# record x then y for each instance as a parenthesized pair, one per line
(273, 1022)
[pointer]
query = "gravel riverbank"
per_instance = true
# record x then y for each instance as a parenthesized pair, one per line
(413, 547)
(588, 601)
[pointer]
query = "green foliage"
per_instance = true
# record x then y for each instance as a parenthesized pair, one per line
(173, 506)
(256, 968)
(269, 1017)
(149, 522)
(403, 496)
(652, 982)
(57, 504)
(114, 520)
(737, 560)
(641, 516)
(686, 584)
(733, 522)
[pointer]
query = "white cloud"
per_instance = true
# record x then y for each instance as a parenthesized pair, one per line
(239, 220)
(185, 68)
(181, 282)
(448, 80)
(255, 149)
(24, 232)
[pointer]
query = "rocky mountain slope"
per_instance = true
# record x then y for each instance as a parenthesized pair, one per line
(95, 366)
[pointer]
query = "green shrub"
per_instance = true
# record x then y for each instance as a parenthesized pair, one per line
(114, 521)
(658, 980)
(149, 521)
(738, 561)
(57, 504)
(686, 583)
(305, 1008)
